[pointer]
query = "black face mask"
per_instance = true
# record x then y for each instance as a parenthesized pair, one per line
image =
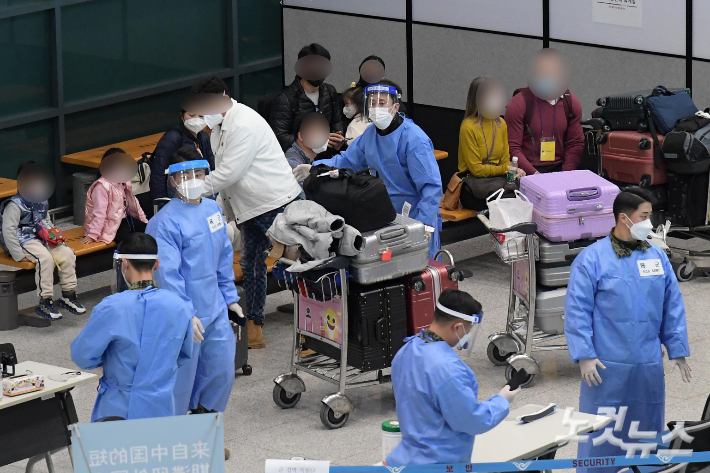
(316, 83)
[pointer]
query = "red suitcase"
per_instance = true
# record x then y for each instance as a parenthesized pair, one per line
(627, 156)
(423, 289)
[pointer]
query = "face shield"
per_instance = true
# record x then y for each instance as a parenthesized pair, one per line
(466, 340)
(381, 104)
(188, 178)
(118, 275)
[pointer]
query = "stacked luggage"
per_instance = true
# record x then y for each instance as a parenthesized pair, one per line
(572, 210)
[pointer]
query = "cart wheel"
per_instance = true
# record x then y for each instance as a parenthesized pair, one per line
(510, 372)
(284, 399)
(246, 370)
(332, 420)
(496, 357)
(681, 273)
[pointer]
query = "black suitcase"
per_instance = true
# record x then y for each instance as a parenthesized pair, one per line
(377, 326)
(688, 199)
(241, 356)
(626, 111)
(660, 204)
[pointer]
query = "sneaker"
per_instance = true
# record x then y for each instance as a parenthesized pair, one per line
(69, 302)
(47, 310)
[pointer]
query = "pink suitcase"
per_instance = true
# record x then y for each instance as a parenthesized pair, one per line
(570, 205)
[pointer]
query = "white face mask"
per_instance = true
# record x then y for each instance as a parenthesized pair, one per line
(382, 117)
(192, 188)
(196, 124)
(640, 230)
(321, 149)
(350, 111)
(463, 342)
(214, 120)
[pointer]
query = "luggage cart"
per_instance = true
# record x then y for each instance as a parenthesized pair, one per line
(513, 347)
(336, 407)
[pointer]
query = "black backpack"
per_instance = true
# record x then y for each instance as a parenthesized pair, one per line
(360, 198)
(686, 149)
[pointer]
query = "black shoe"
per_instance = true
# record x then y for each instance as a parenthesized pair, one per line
(47, 310)
(69, 302)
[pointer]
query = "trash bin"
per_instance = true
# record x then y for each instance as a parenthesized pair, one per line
(9, 320)
(81, 181)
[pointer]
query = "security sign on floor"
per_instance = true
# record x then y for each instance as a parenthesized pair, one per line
(180, 444)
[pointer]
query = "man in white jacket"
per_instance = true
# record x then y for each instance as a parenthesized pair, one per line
(256, 183)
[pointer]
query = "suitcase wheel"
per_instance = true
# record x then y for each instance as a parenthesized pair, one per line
(645, 181)
(417, 283)
(604, 137)
(246, 370)
(644, 143)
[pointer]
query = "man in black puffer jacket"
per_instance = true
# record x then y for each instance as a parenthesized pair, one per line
(303, 97)
(172, 141)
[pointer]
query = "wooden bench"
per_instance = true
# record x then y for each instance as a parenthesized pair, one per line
(457, 215)
(238, 276)
(8, 187)
(438, 154)
(135, 148)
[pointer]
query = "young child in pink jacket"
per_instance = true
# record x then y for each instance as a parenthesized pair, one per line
(112, 211)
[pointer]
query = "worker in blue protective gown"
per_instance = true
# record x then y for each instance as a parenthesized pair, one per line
(623, 303)
(436, 392)
(196, 263)
(139, 337)
(403, 156)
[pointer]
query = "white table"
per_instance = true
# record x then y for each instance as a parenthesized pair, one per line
(510, 440)
(49, 412)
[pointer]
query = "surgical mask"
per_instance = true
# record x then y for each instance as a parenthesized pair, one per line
(321, 149)
(544, 88)
(382, 117)
(214, 120)
(463, 342)
(192, 188)
(196, 124)
(316, 83)
(640, 230)
(350, 111)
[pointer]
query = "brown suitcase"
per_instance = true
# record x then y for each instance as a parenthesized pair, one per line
(627, 156)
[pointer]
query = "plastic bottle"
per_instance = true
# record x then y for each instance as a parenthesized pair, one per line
(512, 170)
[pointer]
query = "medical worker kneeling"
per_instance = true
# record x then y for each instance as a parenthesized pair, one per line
(437, 393)
(139, 337)
(196, 259)
(622, 303)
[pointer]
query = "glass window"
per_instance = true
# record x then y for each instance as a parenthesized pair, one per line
(259, 29)
(256, 85)
(25, 81)
(115, 45)
(12, 3)
(33, 142)
(123, 121)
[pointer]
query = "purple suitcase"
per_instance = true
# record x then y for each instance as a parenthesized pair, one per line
(571, 205)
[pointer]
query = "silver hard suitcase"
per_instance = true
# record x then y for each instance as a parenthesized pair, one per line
(564, 251)
(553, 274)
(409, 244)
(550, 309)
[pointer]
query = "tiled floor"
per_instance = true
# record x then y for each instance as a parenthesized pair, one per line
(255, 429)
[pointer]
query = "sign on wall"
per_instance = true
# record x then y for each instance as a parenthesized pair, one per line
(618, 12)
(180, 444)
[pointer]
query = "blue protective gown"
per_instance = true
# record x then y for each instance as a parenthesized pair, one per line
(196, 263)
(437, 405)
(405, 161)
(140, 338)
(614, 314)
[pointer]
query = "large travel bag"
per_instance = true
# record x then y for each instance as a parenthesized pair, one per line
(571, 205)
(377, 326)
(241, 356)
(550, 310)
(423, 290)
(686, 149)
(688, 199)
(628, 156)
(629, 111)
(398, 249)
(553, 267)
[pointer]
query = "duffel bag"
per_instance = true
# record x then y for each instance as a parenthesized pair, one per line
(359, 197)
(686, 151)
(665, 108)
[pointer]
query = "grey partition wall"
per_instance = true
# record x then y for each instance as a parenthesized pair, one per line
(349, 39)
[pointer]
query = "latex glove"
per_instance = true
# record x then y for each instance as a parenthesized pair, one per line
(508, 394)
(301, 172)
(685, 371)
(589, 371)
(197, 330)
(236, 314)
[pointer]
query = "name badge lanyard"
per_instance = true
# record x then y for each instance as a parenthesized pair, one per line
(493, 142)
(554, 123)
